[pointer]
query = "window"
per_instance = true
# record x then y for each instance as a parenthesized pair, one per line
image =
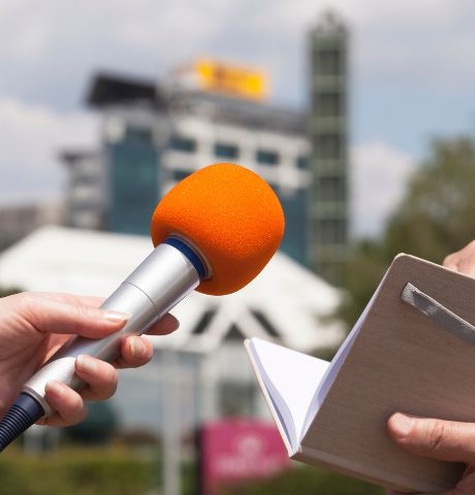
(223, 150)
(179, 175)
(328, 146)
(328, 62)
(265, 323)
(329, 104)
(204, 322)
(133, 183)
(267, 157)
(236, 399)
(302, 162)
(295, 241)
(85, 180)
(332, 232)
(139, 134)
(183, 143)
(332, 189)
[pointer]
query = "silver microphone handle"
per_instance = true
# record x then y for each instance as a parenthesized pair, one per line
(162, 280)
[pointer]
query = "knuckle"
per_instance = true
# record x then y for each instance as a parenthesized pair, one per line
(449, 258)
(83, 312)
(437, 433)
(29, 306)
(26, 302)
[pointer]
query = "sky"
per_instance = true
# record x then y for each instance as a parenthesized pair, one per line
(411, 63)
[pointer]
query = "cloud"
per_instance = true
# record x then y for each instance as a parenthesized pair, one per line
(31, 138)
(49, 49)
(412, 43)
(378, 180)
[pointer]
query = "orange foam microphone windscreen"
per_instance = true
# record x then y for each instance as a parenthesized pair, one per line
(231, 215)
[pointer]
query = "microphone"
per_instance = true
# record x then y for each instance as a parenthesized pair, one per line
(213, 232)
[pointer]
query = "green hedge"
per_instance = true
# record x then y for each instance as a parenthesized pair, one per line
(305, 480)
(117, 471)
(88, 472)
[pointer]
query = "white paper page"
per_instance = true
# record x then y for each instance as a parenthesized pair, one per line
(294, 377)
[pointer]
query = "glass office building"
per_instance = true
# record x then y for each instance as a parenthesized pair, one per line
(133, 182)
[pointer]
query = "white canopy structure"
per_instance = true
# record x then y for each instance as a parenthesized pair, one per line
(286, 301)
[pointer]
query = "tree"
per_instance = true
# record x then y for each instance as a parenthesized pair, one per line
(8, 291)
(436, 217)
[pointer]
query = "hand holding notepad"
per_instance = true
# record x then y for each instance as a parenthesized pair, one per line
(412, 350)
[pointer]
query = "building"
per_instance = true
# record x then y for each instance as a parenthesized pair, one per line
(17, 221)
(156, 133)
(85, 198)
(148, 146)
(328, 137)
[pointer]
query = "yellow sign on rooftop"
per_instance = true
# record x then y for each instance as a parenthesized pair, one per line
(231, 80)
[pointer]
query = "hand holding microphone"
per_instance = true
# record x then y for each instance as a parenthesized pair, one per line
(35, 325)
(213, 232)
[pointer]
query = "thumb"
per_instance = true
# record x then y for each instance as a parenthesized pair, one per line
(443, 440)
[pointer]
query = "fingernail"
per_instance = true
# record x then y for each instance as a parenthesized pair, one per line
(402, 424)
(86, 364)
(137, 347)
(116, 316)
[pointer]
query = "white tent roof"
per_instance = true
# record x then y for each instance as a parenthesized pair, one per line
(286, 298)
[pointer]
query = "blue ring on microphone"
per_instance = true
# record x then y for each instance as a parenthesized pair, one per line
(185, 249)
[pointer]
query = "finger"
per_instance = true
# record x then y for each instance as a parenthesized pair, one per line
(460, 264)
(466, 266)
(444, 440)
(58, 316)
(450, 262)
(93, 301)
(167, 324)
(99, 376)
(462, 261)
(85, 316)
(68, 405)
(466, 486)
(135, 351)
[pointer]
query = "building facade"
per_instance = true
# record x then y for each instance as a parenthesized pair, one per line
(147, 148)
(17, 221)
(328, 137)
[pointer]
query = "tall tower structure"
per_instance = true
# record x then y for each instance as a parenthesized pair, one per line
(328, 136)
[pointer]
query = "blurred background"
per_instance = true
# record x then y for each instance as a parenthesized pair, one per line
(359, 116)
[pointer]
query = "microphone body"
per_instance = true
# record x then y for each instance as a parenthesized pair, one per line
(160, 282)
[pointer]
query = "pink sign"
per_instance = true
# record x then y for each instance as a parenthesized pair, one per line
(236, 450)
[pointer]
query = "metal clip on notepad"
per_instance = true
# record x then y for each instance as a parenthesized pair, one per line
(438, 313)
